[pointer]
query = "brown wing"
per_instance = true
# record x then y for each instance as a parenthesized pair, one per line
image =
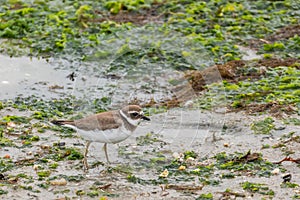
(101, 121)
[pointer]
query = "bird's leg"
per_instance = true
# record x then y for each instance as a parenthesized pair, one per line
(85, 163)
(105, 151)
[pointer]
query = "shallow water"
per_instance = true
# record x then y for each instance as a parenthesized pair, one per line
(24, 77)
(123, 68)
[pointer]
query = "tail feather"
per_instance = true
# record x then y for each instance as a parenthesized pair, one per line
(61, 122)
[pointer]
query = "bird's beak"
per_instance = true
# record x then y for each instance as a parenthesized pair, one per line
(145, 118)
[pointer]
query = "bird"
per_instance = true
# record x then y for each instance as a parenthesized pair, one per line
(106, 127)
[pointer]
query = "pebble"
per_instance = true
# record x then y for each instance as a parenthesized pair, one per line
(11, 124)
(190, 159)
(36, 167)
(226, 144)
(45, 146)
(275, 171)
(164, 174)
(6, 156)
(175, 155)
(59, 182)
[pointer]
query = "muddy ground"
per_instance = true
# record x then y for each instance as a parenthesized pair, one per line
(139, 163)
(177, 130)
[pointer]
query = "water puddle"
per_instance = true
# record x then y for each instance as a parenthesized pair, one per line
(249, 54)
(23, 76)
(136, 64)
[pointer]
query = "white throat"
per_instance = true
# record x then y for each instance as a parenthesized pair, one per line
(129, 120)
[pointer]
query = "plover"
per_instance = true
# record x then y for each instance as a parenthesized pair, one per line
(106, 127)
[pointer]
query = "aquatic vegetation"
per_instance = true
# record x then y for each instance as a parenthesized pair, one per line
(78, 28)
(239, 163)
(128, 38)
(280, 86)
(263, 127)
(205, 196)
(257, 188)
(147, 139)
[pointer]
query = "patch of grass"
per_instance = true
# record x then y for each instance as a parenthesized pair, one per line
(149, 138)
(23, 175)
(16, 119)
(257, 188)
(209, 181)
(6, 165)
(250, 162)
(134, 179)
(228, 175)
(72, 178)
(280, 86)
(53, 165)
(30, 188)
(78, 28)
(58, 154)
(43, 185)
(73, 154)
(289, 185)
(131, 5)
(65, 191)
(80, 192)
(205, 171)
(296, 196)
(6, 142)
(264, 126)
(293, 121)
(54, 108)
(44, 173)
(127, 169)
(189, 154)
(158, 160)
(93, 193)
(3, 192)
(284, 48)
(205, 196)
(265, 146)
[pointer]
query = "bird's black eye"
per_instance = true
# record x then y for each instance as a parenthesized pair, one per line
(135, 114)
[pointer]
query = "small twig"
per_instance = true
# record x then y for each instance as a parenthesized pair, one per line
(27, 161)
(293, 138)
(104, 187)
(183, 187)
(232, 193)
(288, 159)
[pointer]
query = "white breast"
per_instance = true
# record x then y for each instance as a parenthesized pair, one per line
(107, 136)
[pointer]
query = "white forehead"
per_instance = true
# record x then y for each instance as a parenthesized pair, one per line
(134, 111)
